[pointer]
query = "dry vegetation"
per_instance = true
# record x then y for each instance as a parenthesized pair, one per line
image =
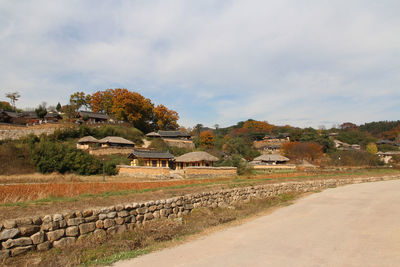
(25, 192)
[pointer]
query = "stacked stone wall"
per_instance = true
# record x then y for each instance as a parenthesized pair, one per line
(58, 230)
(194, 172)
(144, 171)
(14, 132)
(100, 151)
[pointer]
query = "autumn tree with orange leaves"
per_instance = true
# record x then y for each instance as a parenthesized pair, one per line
(258, 126)
(166, 118)
(129, 106)
(207, 139)
(300, 151)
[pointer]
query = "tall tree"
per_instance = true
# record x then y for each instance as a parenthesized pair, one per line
(207, 139)
(41, 110)
(80, 99)
(58, 107)
(13, 97)
(198, 128)
(133, 107)
(5, 106)
(166, 119)
(102, 101)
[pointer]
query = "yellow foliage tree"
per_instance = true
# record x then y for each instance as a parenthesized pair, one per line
(207, 139)
(372, 148)
(167, 119)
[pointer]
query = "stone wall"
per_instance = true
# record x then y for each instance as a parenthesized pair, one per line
(100, 151)
(194, 172)
(144, 171)
(15, 132)
(188, 144)
(166, 173)
(274, 167)
(58, 230)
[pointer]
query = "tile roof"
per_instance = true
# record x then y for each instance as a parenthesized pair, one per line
(94, 115)
(150, 154)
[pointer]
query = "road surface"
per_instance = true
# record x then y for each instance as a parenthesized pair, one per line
(354, 225)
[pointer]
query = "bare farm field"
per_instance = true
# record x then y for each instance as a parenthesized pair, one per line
(30, 195)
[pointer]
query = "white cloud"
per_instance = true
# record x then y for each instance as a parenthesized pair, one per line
(282, 61)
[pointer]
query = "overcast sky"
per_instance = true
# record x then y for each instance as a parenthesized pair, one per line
(303, 63)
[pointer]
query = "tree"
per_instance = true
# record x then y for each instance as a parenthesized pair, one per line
(69, 111)
(58, 107)
(296, 150)
(207, 139)
(198, 128)
(80, 99)
(240, 146)
(5, 106)
(166, 119)
(372, 148)
(13, 97)
(41, 110)
(102, 101)
(134, 108)
(216, 126)
(348, 126)
(258, 126)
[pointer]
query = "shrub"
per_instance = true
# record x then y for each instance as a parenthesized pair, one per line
(50, 156)
(110, 165)
(354, 158)
(296, 150)
(236, 161)
(15, 158)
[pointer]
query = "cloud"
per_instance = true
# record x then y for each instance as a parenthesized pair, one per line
(302, 63)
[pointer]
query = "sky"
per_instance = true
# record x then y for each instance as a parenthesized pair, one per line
(303, 63)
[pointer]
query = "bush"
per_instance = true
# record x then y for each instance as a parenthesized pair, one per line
(354, 158)
(110, 165)
(236, 161)
(308, 151)
(15, 159)
(240, 146)
(50, 156)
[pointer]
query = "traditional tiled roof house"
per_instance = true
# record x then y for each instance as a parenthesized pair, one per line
(150, 158)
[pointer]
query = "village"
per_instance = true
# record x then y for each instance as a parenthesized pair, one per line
(180, 153)
(199, 133)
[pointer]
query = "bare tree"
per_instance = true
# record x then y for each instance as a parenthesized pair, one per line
(13, 97)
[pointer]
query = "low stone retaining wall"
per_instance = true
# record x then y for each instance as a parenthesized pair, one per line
(100, 151)
(14, 132)
(194, 172)
(144, 171)
(274, 167)
(58, 230)
(167, 173)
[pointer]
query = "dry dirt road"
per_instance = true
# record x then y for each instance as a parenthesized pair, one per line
(354, 225)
